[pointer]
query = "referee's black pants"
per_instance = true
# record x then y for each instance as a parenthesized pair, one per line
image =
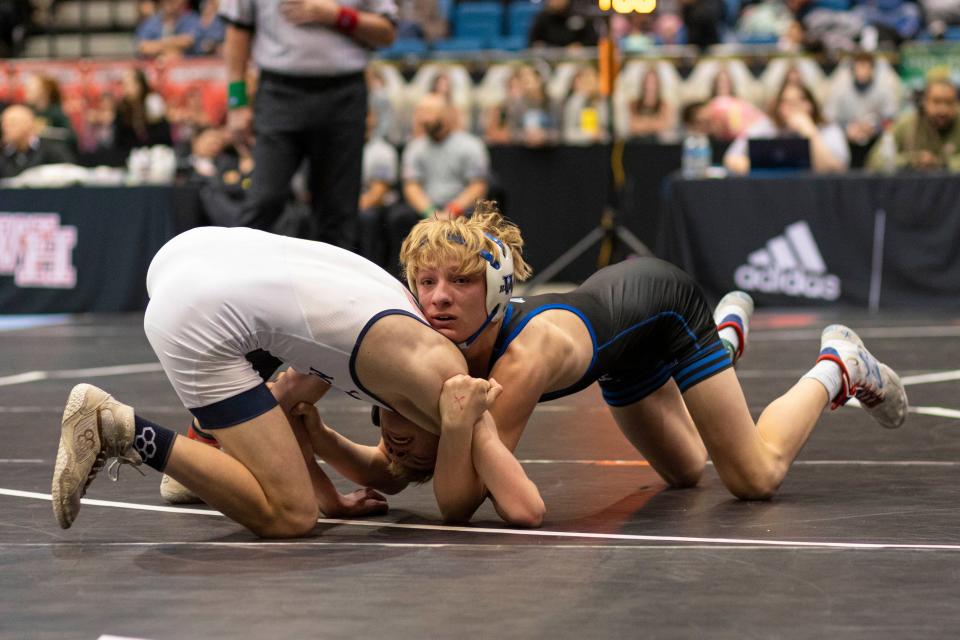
(318, 118)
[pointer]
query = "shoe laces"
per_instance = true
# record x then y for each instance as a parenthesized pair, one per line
(113, 469)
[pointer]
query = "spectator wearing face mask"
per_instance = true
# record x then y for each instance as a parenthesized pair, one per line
(444, 171)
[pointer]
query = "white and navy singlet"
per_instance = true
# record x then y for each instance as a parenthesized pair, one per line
(649, 322)
(218, 294)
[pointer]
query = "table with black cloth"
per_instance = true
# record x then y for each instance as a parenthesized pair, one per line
(861, 239)
(82, 249)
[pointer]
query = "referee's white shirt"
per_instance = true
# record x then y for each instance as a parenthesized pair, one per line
(302, 50)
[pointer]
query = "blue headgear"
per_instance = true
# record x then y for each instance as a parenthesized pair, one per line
(499, 272)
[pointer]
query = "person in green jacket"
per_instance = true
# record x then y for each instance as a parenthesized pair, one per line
(928, 138)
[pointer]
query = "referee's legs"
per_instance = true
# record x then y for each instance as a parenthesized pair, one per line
(277, 156)
(336, 157)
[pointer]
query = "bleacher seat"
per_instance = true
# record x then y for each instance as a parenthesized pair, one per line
(460, 45)
(446, 8)
(509, 43)
(404, 47)
(758, 38)
(832, 5)
(952, 33)
(520, 16)
(478, 20)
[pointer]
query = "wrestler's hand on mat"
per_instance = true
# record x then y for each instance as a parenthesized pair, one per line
(310, 11)
(362, 502)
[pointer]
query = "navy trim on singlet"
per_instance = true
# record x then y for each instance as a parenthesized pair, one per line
(523, 323)
(707, 361)
(236, 410)
(356, 348)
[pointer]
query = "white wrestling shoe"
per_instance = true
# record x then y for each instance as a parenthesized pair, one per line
(734, 311)
(874, 384)
(171, 490)
(95, 427)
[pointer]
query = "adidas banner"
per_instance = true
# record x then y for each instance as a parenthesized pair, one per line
(878, 242)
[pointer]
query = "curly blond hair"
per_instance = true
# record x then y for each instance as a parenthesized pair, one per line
(435, 243)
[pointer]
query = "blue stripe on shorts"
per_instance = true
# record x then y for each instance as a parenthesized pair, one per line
(240, 408)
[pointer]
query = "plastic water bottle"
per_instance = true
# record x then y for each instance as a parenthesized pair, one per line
(888, 152)
(697, 156)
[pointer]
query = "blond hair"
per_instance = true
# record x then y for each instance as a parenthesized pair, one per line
(435, 243)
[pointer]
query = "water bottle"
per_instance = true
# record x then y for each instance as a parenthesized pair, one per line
(888, 152)
(697, 156)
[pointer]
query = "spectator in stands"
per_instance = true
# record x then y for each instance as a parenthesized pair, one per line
(526, 116)
(378, 102)
(22, 147)
(640, 36)
(141, 115)
(381, 169)
(171, 32)
(96, 143)
(560, 25)
(651, 112)
(768, 18)
(206, 147)
(703, 19)
(14, 20)
(795, 113)
(794, 39)
(42, 94)
(586, 117)
(895, 22)
(730, 115)
(421, 19)
(928, 138)
(859, 103)
(211, 30)
(188, 116)
(940, 14)
(444, 172)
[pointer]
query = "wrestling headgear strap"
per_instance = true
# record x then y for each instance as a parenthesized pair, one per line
(499, 272)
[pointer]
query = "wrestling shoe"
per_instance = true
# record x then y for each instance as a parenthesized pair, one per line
(95, 428)
(171, 490)
(733, 312)
(874, 384)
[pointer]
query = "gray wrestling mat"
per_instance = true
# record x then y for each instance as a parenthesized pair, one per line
(863, 540)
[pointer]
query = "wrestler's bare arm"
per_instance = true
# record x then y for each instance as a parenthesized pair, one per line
(462, 483)
(514, 496)
(365, 465)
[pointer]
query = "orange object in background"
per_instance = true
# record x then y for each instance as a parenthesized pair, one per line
(609, 65)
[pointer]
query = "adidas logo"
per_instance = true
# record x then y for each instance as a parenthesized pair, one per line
(790, 264)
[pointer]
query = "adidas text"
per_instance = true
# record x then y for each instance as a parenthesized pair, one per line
(792, 282)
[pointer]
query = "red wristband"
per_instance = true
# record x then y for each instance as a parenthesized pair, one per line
(347, 19)
(455, 209)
